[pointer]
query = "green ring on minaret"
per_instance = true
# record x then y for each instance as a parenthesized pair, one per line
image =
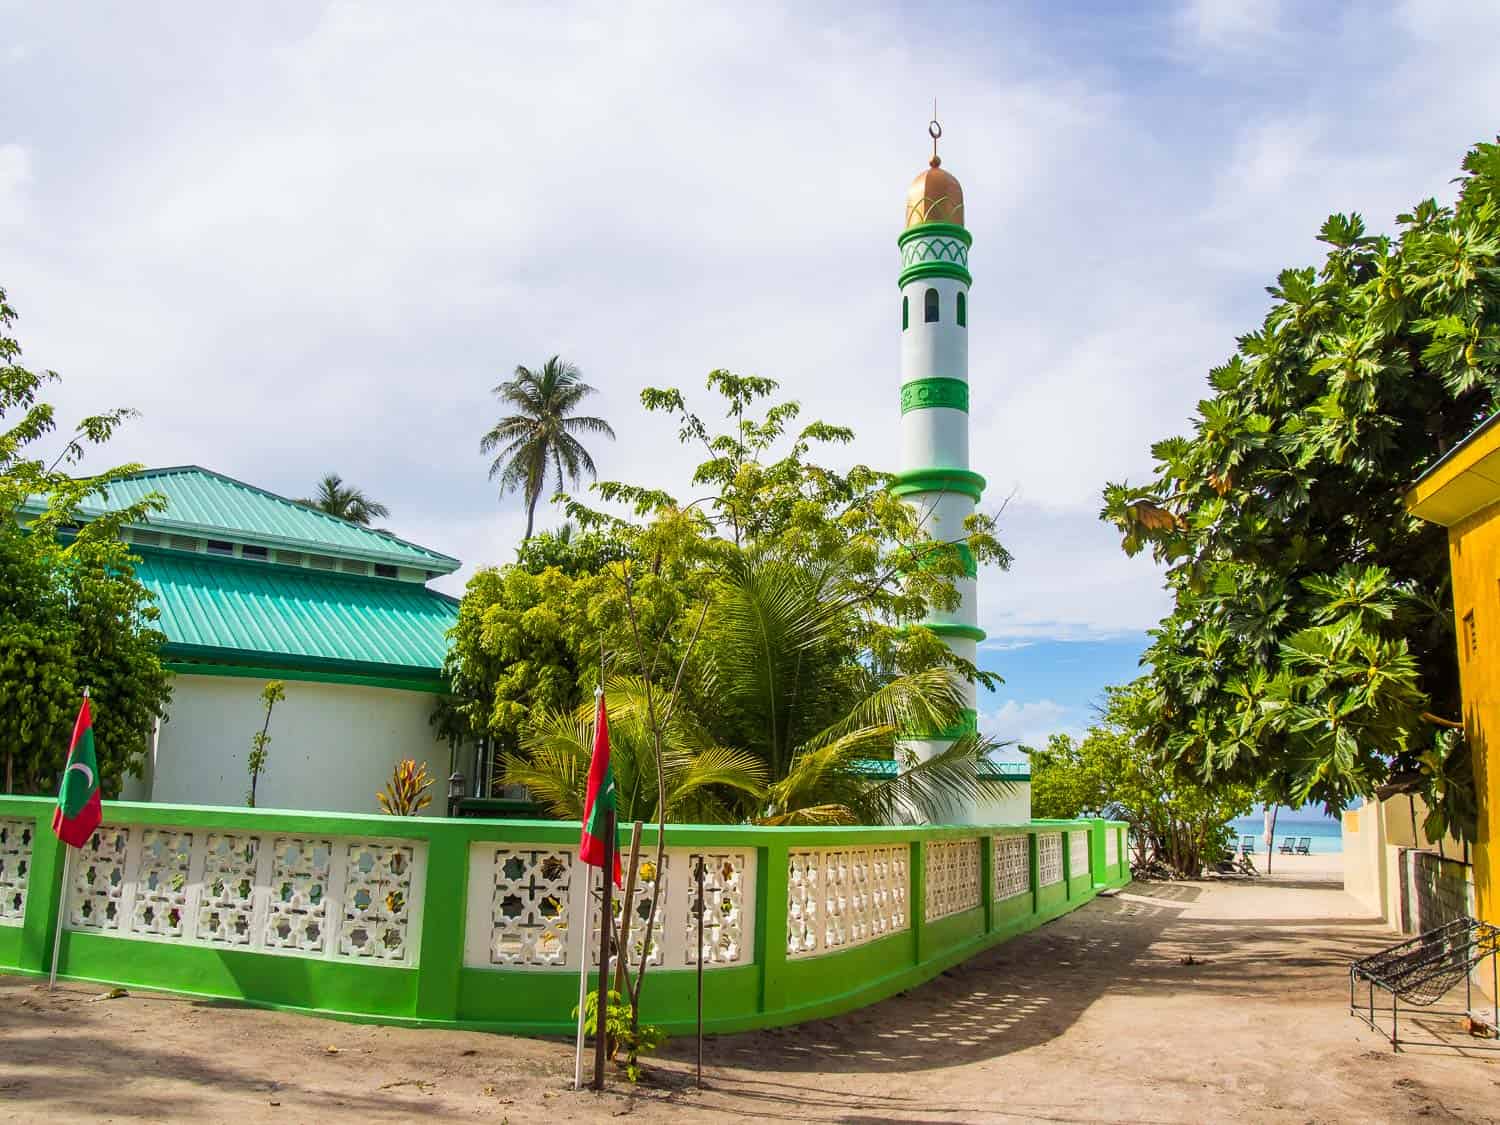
(955, 629)
(962, 481)
(967, 723)
(934, 269)
(925, 394)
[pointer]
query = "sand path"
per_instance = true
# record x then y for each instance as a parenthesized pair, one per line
(1091, 1018)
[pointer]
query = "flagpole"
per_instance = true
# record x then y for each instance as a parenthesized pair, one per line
(62, 898)
(62, 908)
(583, 988)
(606, 931)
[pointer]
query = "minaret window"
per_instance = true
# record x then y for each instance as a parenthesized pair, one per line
(963, 312)
(905, 313)
(930, 307)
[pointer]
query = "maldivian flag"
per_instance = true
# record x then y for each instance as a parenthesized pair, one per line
(599, 802)
(78, 812)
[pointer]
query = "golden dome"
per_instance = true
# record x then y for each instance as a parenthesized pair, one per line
(935, 197)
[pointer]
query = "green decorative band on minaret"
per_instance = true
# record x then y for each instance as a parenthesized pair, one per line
(955, 629)
(924, 394)
(966, 724)
(934, 269)
(962, 481)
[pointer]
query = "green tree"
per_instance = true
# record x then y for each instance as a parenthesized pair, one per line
(792, 587)
(1310, 645)
(72, 613)
(1114, 771)
(345, 501)
(541, 438)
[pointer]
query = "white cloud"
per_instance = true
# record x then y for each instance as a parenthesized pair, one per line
(15, 174)
(1029, 723)
(315, 243)
(1228, 25)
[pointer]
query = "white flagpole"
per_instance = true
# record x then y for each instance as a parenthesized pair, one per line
(62, 908)
(62, 899)
(583, 982)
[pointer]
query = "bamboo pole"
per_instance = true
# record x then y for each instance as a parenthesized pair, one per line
(622, 962)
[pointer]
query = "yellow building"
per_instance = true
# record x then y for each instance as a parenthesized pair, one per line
(1462, 492)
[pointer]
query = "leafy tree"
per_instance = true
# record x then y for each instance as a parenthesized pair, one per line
(1114, 771)
(345, 501)
(797, 584)
(1310, 646)
(541, 438)
(72, 613)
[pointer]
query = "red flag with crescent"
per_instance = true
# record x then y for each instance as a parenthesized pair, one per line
(78, 810)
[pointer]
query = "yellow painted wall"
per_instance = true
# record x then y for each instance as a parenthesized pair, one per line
(1474, 549)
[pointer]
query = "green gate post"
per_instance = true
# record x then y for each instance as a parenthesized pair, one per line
(987, 880)
(917, 907)
(770, 924)
(44, 899)
(1034, 862)
(440, 957)
(1097, 828)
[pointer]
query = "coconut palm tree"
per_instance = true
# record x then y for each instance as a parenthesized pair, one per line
(781, 670)
(345, 501)
(555, 750)
(540, 440)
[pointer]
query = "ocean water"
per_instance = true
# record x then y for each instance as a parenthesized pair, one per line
(1326, 833)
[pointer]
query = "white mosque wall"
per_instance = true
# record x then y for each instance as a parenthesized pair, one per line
(333, 746)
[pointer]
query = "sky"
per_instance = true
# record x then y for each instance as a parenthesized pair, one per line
(303, 238)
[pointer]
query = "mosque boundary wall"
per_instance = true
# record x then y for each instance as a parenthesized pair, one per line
(480, 924)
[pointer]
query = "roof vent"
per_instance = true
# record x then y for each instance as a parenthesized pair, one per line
(183, 543)
(289, 558)
(219, 547)
(385, 570)
(247, 551)
(145, 538)
(322, 562)
(349, 566)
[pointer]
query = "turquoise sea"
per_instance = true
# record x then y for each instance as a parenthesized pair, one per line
(1326, 832)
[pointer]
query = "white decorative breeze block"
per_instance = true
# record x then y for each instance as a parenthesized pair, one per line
(297, 917)
(377, 901)
(529, 913)
(1012, 866)
(1078, 854)
(845, 897)
(161, 900)
(15, 867)
(646, 880)
(1111, 847)
(537, 907)
(226, 907)
(98, 883)
(288, 895)
(723, 909)
(1049, 853)
(953, 877)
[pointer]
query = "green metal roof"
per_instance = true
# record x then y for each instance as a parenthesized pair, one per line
(217, 610)
(204, 503)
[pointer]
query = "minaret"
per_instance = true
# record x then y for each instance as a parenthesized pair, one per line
(935, 476)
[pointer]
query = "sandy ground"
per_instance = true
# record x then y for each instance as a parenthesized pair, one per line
(1094, 1017)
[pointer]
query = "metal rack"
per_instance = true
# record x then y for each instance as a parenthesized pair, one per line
(1423, 970)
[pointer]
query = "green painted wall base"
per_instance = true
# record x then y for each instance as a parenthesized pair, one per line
(439, 990)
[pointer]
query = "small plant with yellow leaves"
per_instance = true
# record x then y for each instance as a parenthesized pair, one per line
(407, 794)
